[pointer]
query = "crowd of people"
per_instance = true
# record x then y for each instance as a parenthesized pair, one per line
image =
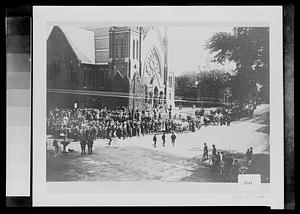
(220, 116)
(225, 115)
(223, 164)
(88, 124)
(121, 123)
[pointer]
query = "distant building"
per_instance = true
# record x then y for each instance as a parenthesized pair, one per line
(108, 67)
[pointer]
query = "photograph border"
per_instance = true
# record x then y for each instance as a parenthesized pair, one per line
(41, 195)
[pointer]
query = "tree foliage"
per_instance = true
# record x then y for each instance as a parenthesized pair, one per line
(248, 47)
(203, 84)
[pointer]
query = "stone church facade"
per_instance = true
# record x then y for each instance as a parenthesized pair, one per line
(109, 67)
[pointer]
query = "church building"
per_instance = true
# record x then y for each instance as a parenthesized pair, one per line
(108, 67)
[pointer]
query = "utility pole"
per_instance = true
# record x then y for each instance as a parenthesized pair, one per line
(166, 75)
(133, 99)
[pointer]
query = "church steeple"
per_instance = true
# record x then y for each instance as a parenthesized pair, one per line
(166, 56)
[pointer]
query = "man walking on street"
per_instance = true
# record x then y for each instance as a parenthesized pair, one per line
(90, 145)
(248, 154)
(205, 152)
(56, 146)
(230, 163)
(164, 139)
(251, 153)
(173, 137)
(154, 140)
(214, 151)
(83, 145)
(235, 170)
(228, 119)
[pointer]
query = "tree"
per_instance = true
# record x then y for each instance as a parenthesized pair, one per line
(202, 84)
(212, 83)
(186, 85)
(248, 47)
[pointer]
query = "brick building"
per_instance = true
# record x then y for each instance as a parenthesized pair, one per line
(108, 67)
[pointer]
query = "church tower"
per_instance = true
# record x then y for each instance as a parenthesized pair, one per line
(124, 63)
(124, 51)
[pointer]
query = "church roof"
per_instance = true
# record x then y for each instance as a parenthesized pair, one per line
(82, 43)
(146, 30)
(160, 37)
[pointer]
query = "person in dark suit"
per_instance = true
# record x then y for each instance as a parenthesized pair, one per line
(163, 137)
(248, 155)
(251, 153)
(214, 151)
(154, 140)
(230, 163)
(90, 145)
(235, 170)
(228, 120)
(205, 152)
(55, 144)
(83, 145)
(173, 137)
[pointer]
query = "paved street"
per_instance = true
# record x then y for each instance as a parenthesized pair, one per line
(136, 160)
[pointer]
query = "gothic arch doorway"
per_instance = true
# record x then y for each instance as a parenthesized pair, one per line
(161, 96)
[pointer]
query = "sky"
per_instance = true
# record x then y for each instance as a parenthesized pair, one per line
(187, 51)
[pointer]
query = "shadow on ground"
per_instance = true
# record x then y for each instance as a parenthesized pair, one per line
(117, 164)
(260, 165)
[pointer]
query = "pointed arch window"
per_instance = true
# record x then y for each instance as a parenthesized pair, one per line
(133, 49)
(137, 49)
(117, 48)
(122, 48)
